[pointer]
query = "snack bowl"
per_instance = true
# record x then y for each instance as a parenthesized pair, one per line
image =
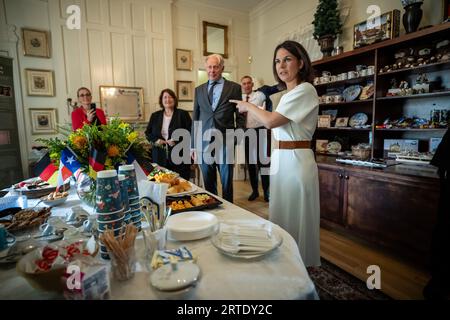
(54, 202)
(50, 280)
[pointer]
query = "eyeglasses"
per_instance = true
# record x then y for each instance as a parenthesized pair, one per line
(85, 95)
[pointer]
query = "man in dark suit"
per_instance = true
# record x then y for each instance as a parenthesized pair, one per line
(213, 111)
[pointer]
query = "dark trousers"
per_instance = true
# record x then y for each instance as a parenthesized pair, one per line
(209, 172)
(439, 285)
(254, 168)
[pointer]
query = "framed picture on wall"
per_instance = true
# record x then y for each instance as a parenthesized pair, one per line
(384, 27)
(35, 43)
(185, 90)
(43, 121)
(125, 102)
(40, 82)
(184, 59)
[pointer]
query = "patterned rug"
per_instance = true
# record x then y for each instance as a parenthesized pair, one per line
(333, 283)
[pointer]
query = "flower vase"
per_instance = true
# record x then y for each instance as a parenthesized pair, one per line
(412, 16)
(86, 189)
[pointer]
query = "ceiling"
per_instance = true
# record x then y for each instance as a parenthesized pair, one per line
(243, 5)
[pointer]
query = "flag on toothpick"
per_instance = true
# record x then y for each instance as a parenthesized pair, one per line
(96, 162)
(68, 165)
(46, 170)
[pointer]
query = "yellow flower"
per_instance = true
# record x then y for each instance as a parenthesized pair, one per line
(108, 163)
(132, 136)
(113, 151)
(124, 125)
(79, 142)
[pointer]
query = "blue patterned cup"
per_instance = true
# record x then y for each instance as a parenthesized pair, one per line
(124, 191)
(113, 224)
(110, 216)
(108, 198)
(131, 181)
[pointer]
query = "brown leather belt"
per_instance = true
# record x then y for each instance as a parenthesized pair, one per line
(303, 144)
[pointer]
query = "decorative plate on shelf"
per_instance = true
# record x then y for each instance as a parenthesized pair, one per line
(334, 147)
(358, 119)
(352, 93)
(367, 92)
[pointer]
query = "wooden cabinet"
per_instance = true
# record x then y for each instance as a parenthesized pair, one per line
(394, 208)
(381, 108)
(393, 212)
(331, 196)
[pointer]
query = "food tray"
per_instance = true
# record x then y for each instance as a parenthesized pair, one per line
(214, 204)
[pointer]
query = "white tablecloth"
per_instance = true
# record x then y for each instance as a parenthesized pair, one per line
(280, 275)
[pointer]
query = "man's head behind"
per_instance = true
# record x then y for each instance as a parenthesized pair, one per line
(247, 84)
(214, 65)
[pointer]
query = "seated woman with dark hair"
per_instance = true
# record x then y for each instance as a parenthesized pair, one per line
(87, 113)
(160, 128)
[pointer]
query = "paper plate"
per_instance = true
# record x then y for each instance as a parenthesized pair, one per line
(358, 119)
(191, 225)
(351, 93)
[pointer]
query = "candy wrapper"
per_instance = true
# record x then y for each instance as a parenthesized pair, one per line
(86, 279)
(162, 257)
(54, 256)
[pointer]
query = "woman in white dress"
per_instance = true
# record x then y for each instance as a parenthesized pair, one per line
(294, 181)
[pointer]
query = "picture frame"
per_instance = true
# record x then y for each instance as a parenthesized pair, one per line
(40, 82)
(183, 59)
(384, 27)
(324, 121)
(321, 146)
(43, 121)
(6, 91)
(185, 90)
(127, 103)
(36, 43)
(341, 122)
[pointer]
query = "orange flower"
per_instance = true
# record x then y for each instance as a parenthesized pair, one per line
(113, 151)
(79, 142)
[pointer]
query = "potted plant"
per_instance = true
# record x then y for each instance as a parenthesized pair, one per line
(327, 25)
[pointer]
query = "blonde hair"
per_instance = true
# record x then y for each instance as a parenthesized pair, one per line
(216, 56)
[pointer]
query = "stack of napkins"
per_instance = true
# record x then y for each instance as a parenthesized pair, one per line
(245, 238)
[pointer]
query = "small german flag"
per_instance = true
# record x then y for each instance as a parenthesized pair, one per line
(46, 170)
(96, 162)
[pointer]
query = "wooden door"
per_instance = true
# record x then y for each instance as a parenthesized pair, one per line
(10, 161)
(330, 195)
(398, 214)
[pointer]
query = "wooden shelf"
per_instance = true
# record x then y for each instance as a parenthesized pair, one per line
(438, 66)
(344, 129)
(413, 130)
(336, 104)
(417, 96)
(440, 28)
(344, 82)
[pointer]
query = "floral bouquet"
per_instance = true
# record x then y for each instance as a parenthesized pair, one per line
(95, 148)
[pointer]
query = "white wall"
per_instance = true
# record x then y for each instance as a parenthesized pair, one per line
(121, 42)
(276, 20)
(187, 34)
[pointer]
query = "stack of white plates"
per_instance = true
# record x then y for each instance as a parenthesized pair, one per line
(191, 225)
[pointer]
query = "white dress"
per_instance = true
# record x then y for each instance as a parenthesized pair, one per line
(294, 181)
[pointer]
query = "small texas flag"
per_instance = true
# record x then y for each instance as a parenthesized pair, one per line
(68, 165)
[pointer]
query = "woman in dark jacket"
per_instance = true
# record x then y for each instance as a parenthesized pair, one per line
(160, 128)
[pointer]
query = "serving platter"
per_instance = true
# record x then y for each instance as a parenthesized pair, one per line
(187, 203)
